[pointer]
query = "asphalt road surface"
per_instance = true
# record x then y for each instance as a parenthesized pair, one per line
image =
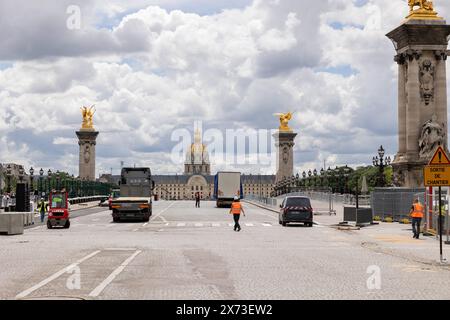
(189, 253)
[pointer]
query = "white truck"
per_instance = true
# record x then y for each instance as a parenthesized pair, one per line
(227, 185)
(136, 192)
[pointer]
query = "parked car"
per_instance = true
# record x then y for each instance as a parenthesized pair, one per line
(296, 210)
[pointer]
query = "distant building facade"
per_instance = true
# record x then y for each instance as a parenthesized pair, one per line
(197, 177)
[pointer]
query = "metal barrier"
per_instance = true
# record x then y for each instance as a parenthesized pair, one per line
(87, 199)
(394, 203)
(313, 195)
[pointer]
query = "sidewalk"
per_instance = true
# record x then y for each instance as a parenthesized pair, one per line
(385, 238)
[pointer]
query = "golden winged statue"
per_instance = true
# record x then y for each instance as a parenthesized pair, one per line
(424, 11)
(88, 117)
(284, 121)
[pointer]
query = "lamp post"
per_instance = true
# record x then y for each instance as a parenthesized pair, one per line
(309, 178)
(381, 162)
(49, 181)
(315, 173)
(304, 179)
(346, 173)
(8, 176)
(32, 180)
(40, 187)
(21, 173)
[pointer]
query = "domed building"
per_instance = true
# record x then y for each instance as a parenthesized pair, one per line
(197, 178)
(197, 158)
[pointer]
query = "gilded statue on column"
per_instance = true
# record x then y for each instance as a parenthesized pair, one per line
(424, 11)
(88, 117)
(284, 121)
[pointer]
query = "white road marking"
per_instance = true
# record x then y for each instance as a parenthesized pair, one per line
(199, 224)
(55, 276)
(216, 224)
(230, 224)
(163, 219)
(267, 225)
(135, 230)
(249, 224)
(181, 225)
(120, 249)
(161, 212)
(145, 224)
(97, 291)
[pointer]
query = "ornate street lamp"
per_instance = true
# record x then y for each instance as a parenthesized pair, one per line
(8, 176)
(315, 177)
(21, 173)
(304, 179)
(49, 180)
(381, 162)
(41, 177)
(32, 180)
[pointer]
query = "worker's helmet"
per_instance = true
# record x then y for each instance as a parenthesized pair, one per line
(236, 198)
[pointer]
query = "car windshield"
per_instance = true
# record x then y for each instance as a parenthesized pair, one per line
(298, 202)
(116, 194)
(58, 201)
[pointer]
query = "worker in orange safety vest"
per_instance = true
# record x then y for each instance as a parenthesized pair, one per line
(417, 214)
(236, 209)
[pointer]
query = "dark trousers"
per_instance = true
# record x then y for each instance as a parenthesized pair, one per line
(197, 203)
(236, 217)
(416, 226)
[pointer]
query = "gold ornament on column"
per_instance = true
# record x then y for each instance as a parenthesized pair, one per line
(284, 121)
(88, 117)
(425, 10)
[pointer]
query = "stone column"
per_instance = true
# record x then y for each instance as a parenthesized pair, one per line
(87, 140)
(284, 142)
(400, 59)
(413, 108)
(441, 88)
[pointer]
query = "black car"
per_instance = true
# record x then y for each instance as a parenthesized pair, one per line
(296, 210)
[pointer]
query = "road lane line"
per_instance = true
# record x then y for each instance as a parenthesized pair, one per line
(145, 224)
(199, 225)
(181, 225)
(161, 212)
(249, 224)
(267, 225)
(97, 291)
(55, 276)
(216, 224)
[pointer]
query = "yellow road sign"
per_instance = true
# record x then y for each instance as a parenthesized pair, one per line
(437, 176)
(440, 158)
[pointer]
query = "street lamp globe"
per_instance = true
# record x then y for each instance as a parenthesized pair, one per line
(49, 173)
(41, 172)
(304, 175)
(31, 171)
(381, 152)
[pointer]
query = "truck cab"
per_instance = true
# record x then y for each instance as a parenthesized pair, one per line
(136, 192)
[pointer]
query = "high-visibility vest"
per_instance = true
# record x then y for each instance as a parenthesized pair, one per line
(41, 207)
(236, 208)
(417, 211)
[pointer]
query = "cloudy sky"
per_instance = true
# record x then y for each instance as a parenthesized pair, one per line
(155, 66)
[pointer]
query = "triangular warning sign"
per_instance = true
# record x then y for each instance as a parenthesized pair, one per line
(440, 158)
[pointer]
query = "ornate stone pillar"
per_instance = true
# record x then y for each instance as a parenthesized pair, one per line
(413, 105)
(401, 61)
(284, 142)
(87, 140)
(421, 46)
(441, 90)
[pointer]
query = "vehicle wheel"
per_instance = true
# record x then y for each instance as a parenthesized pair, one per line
(67, 225)
(116, 220)
(49, 225)
(279, 221)
(284, 224)
(146, 219)
(310, 224)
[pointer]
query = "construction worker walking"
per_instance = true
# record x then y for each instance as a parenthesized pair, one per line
(236, 209)
(42, 209)
(417, 214)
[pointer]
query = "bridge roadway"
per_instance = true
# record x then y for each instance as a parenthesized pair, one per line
(189, 253)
